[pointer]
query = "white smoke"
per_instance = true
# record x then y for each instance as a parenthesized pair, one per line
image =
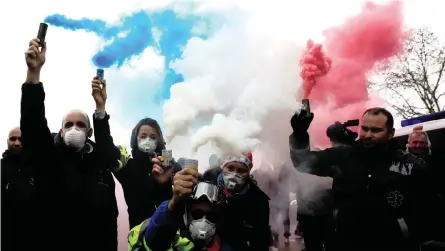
(243, 83)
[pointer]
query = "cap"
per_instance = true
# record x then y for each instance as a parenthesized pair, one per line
(245, 159)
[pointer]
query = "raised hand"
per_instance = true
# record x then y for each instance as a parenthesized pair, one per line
(99, 93)
(183, 185)
(161, 173)
(34, 56)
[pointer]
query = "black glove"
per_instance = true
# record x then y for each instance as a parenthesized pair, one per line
(300, 122)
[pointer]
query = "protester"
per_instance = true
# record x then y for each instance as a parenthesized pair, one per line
(315, 210)
(419, 144)
(246, 216)
(189, 221)
(19, 195)
(79, 188)
(379, 191)
(144, 186)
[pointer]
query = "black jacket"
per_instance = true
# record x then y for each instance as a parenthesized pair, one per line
(141, 191)
(435, 163)
(19, 202)
(373, 190)
(245, 218)
(78, 187)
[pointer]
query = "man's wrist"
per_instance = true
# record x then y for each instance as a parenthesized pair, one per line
(100, 108)
(33, 76)
(172, 204)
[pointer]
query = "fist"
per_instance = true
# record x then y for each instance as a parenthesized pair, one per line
(34, 56)
(183, 183)
(300, 122)
(99, 92)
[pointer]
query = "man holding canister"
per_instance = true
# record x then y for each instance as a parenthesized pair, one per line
(71, 171)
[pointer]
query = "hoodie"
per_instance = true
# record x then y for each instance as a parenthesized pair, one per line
(134, 134)
(141, 191)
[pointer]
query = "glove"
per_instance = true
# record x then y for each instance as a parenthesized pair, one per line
(300, 122)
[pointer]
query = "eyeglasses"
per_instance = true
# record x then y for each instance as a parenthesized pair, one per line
(15, 138)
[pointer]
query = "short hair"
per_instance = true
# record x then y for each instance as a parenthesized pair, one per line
(379, 110)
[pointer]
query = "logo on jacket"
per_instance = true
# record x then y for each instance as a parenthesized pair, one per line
(404, 169)
(395, 199)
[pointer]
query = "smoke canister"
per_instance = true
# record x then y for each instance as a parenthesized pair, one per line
(191, 163)
(167, 156)
(100, 74)
(42, 33)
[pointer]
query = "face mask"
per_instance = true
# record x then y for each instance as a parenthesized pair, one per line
(233, 182)
(147, 145)
(202, 232)
(75, 138)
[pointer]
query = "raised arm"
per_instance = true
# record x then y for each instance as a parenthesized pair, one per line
(36, 135)
(318, 163)
(102, 132)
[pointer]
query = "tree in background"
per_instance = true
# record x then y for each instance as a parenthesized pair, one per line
(415, 79)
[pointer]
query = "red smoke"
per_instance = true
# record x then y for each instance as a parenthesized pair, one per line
(340, 93)
(314, 64)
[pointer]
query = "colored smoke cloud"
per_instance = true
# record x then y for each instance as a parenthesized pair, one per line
(340, 93)
(162, 29)
(241, 84)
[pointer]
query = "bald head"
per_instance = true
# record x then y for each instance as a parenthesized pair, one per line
(78, 118)
(14, 140)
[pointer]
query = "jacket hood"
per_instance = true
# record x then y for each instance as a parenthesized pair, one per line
(8, 154)
(150, 122)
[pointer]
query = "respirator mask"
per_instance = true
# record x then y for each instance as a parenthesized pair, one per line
(147, 145)
(202, 230)
(75, 137)
(233, 182)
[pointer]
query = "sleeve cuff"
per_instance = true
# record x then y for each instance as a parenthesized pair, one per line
(100, 115)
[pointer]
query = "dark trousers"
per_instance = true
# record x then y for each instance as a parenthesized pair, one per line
(318, 232)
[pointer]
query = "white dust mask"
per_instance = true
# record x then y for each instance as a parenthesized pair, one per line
(74, 137)
(147, 145)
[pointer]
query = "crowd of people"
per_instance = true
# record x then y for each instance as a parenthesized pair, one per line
(58, 191)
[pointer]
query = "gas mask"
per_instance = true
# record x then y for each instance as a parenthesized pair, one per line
(74, 137)
(202, 230)
(233, 182)
(147, 145)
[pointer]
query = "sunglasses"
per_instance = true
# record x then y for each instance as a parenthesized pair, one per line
(199, 214)
(15, 138)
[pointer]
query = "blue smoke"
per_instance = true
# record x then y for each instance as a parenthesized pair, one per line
(138, 27)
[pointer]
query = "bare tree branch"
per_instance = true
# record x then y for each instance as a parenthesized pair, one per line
(416, 77)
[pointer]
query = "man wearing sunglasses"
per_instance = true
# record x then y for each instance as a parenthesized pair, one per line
(189, 221)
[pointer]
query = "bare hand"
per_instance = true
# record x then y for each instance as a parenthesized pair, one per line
(184, 182)
(35, 58)
(161, 173)
(99, 92)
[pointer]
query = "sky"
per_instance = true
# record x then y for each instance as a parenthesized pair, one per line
(137, 88)
(140, 44)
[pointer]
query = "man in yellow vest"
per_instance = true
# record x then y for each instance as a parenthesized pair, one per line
(186, 222)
